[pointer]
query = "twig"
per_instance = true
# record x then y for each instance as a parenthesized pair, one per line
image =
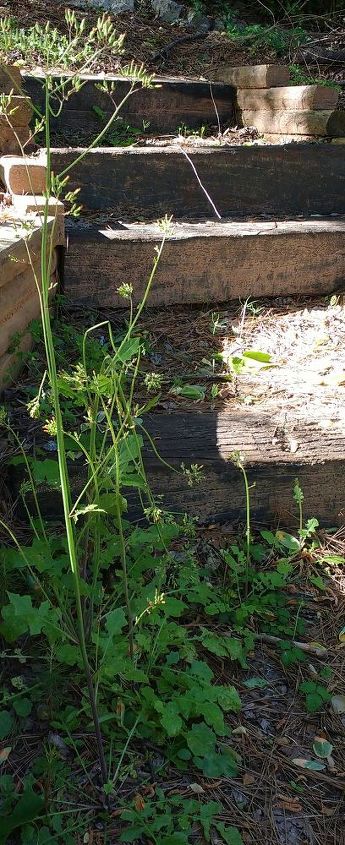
(200, 183)
(310, 648)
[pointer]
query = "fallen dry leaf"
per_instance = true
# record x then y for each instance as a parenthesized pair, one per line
(248, 779)
(289, 804)
(139, 803)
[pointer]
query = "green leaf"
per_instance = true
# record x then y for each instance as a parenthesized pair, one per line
(200, 669)
(255, 683)
(190, 391)
(213, 716)
(313, 765)
(27, 809)
(254, 355)
(116, 620)
(171, 721)
(322, 748)
(6, 722)
(231, 835)
(22, 706)
(292, 544)
(207, 813)
(201, 740)
(129, 349)
(133, 481)
(318, 582)
(316, 695)
(47, 470)
(229, 699)
(216, 765)
(173, 606)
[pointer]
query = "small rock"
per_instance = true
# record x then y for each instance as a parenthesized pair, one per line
(198, 21)
(114, 6)
(168, 10)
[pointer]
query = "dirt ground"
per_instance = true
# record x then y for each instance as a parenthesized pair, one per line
(147, 39)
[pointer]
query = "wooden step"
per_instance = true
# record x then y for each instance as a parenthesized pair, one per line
(254, 76)
(205, 262)
(285, 418)
(300, 97)
(211, 440)
(244, 181)
(164, 108)
(317, 123)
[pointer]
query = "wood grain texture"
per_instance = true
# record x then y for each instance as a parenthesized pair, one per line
(255, 76)
(13, 252)
(23, 175)
(295, 97)
(319, 123)
(11, 363)
(11, 140)
(243, 181)
(206, 262)
(10, 79)
(210, 439)
(165, 107)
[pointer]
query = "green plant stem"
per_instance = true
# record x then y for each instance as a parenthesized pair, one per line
(62, 460)
(248, 528)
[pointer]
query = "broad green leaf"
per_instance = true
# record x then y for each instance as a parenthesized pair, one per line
(134, 481)
(6, 722)
(229, 699)
(322, 748)
(22, 706)
(115, 621)
(201, 740)
(201, 670)
(288, 541)
(173, 606)
(255, 683)
(216, 765)
(27, 809)
(171, 721)
(207, 813)
(190, 391)
(231, 835)
(129, 349)
(313, 765)
(214, 717)
(47, 470)
(254, 355)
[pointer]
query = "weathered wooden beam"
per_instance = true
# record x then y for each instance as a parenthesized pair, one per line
(210, 440)
(320, 123)
(12, 140)
(164, 108)
(206, 262)
(10, 79)
(23, 174)
(293, 97)
(20, 112)
(12, 362)
(254, 76)
(242, 181)
(19, 304)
